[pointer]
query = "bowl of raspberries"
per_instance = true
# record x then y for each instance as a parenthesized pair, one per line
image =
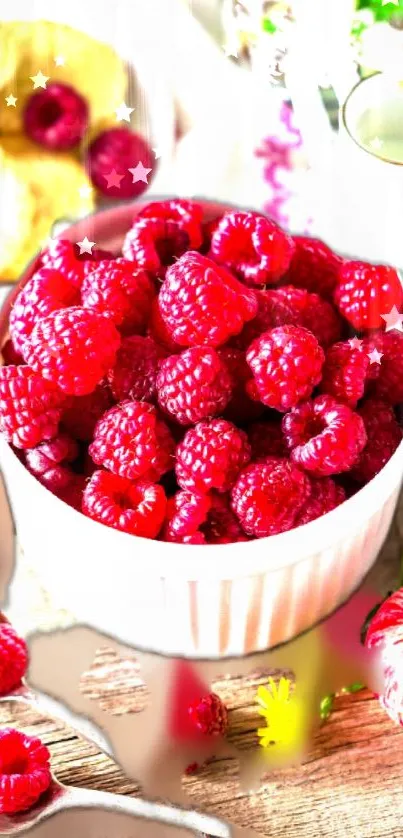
(199, 424)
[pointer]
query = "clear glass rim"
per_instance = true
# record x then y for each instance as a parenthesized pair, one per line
(344, 120)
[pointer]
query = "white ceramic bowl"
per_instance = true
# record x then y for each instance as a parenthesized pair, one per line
(198, 601)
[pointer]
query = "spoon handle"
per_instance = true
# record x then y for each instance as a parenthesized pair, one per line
(160, 813)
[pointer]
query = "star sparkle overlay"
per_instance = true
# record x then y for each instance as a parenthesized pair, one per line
(355, 343)
(393, 320)
(11, 101)
(140, 173)
(85, 246)
(40, 80)
(123, 112)
(113, 179)
(375, 357)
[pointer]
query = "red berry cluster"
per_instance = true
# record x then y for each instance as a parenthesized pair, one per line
(217, 382)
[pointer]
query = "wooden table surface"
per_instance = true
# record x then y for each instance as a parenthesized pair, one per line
(350, 784)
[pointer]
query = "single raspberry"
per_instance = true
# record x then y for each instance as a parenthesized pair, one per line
(314, 266)
(364, 292)
(194, 296)
(325, 495)
(30, 407)
(83, 412)
(47, 291)
(193, 385)
(209, 715)
(185, 513)
(187, 214)
(289, 306)
(221, 525)
(154, 244)
(119, 290)
(254, 247)
(65, 256)
(325, 437)
(24, 771)
(48, 460)
(267, 497)
(13, 659)
(211, 455)
(345, 373)
(267, 440)
(134, 375)
(10, 355)
(132, 441)
(389, 372)
(384, 434)
(135, 507)
(56, 118)
(159, 331)
(111, 156)
(240, 409)
(286, 364)
(73, 348)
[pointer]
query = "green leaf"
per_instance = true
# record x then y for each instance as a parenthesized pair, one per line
(268, 26)
(353, 688)
(326, 706)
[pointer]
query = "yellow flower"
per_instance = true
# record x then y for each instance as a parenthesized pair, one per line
(283, 713)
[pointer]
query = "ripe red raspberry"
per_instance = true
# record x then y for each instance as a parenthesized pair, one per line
(364, 292)
(240, 409)
(211, 455)
(71, 489)
(24, 771)
(13, 659)
(47, 291)
(194, 296)
(267, 440)
(289, 306)
(209, 715)
(384, 434)
(135, 507)
(10, 355)
(314, 266)
(267, 497)
(116, 288)
(325, 496)
(30, 407)
(65, 256)
(47, 461)
(83, 412)
(197, 518)
(188, 215)
(132, 441)
(56, 118)
(345, 373)
(193, 385)
(154, 244)
(254, 247)
(114, 152)
(286, 364)
(159, 331)
(389, 373)
(325, 437)
(73, 348)
(134, 375)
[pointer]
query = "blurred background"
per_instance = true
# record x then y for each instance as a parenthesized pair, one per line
(104, 102)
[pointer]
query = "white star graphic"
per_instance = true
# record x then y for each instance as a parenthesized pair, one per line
(375, 356)
(230, 51)
(85, 191)
(11, 101)
(157, 153)
(86, 246)
(355, 343)
(39, 80)
(60, 60)
(140, 173)
(393, 320)
(123, 112)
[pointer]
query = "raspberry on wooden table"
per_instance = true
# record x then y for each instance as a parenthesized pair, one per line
(24, 771)
(57, 117)
(13, 659)
(286, 364)
(314, 266)
(82, 413)
(325, 495)
(131, 440)
(194, 385)
(267, 497)
(325, 437)
(211, 455)
(384, 434)
(136, 507)
(254, 247)
(134, 374)
(345, 373)
(65, 256)
(389, 373)
(194, 297)
(121, 291)
(30, 407)
(73, 348)
(364, 292)
(209, 715)
(48, 290)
